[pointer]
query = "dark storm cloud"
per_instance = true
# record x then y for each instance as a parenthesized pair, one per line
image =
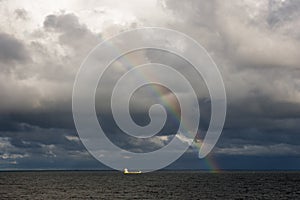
(26, 143)
(48, 103)
(259, 65)
(255, 45)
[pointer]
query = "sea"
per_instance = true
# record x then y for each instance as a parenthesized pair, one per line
(156, 185)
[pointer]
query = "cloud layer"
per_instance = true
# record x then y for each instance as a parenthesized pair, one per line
(256, 45)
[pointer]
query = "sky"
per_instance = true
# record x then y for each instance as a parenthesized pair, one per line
(255, 44)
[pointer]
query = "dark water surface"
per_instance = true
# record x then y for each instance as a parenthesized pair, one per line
(157, 185)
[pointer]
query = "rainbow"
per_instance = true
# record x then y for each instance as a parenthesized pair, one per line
(171, 104)
(208, 161)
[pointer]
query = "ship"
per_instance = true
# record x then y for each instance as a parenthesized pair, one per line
(131, 172)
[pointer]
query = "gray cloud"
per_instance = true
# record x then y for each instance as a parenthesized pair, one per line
(12, 50)
(257, 49)
(255, 45)
(21, 14)
(73, 34)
